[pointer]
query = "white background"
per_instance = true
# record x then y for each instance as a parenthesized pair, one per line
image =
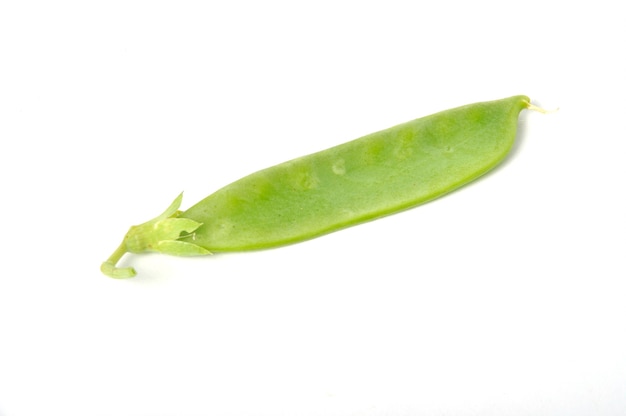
(507, 297)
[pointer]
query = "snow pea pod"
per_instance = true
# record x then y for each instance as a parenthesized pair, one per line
(375, 175)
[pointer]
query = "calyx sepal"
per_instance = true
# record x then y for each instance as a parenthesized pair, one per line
(161, 234)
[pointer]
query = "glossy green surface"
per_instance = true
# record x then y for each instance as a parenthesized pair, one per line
(375, 175)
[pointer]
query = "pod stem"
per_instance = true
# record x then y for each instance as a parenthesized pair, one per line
(110, 269)
(161, 234)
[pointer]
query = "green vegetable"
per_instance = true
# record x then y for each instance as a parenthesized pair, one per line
(376, 175)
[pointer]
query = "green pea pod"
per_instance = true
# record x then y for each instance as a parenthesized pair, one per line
(376, 175)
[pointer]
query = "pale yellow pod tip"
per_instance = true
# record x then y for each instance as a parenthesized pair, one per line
(533, 107)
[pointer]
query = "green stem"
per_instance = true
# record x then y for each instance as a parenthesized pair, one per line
(160, 234)
(110, 269)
